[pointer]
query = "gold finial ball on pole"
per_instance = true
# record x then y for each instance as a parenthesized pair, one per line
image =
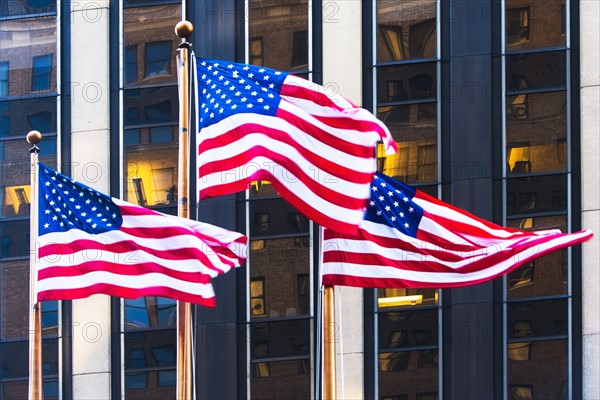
(34, 137)
(184, 29)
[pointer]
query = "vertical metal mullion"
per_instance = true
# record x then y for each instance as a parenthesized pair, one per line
(504, 191)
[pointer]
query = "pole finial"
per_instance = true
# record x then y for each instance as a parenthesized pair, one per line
(184, 29)
(34, 137)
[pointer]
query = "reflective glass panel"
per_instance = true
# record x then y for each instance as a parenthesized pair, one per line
(409, 375)
(15, 239)
(14, 300)
(276, 217)
(150, 349)
(536, 132)
(159, 105)
(406, 30)
(416, 137)
(535, 194)
(29, 47)
(406, 82)
(150, 312)
(408, 328)
(545, 276)
(280, 379)
(145, 31)
(541, 318)
(536, 71)
(280, 339)
(538, 370)
(150, 385)
(282, 266)
(402, 297)
(14, 7)
(19, 116)
(533, 24)
(279, 34)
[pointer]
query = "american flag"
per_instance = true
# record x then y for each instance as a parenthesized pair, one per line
(90, 243)
(316, 147)
(409, 239)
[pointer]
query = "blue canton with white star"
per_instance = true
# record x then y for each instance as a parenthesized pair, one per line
(65, 204)
(392, 203)
(226, 88)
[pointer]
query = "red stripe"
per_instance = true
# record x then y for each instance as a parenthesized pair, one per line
(127, 293)
(397, 244)
(126, 246)
(311, 155)
(297, 202)
(295, 172)
(121, 269)
(328, 138)
(299, 92)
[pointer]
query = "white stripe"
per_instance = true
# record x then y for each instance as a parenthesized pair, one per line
(293, 184)
(131, 282)
(298, 136)
(387, 272)
(123, 260)
(173, 244)
(292, 80)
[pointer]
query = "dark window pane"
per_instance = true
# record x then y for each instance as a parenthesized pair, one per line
(545, 276)
(50, 389)
(406, 30)
(541, 318)
(142, 26)
(283, 28)
(149, 312)
(136, 380)
(408, 328)
(150, 349)
(536, 131)
(14, 299)
(131, 137)
(535, 194)
(406, 82)
(29, 45)
(408, 374)
(280, 262)
(158, 58)
(151, 105)
(531, 25)
(13, 7)
(131, 66)
(538, 370)
(15, 238)
(536, 71)
(161, 134)
(277, 380)
(280, 339)
(41, 75)
(15, 358)
(14, 390)
(18, 116)
(275, 217)
(3, 79)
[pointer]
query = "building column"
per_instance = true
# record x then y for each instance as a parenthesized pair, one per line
(590, 204)
(90, 165)
(342, 72)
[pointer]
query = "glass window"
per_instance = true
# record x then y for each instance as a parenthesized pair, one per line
(536, 71)
(280, 32)
(42, 71)
(535, 194)
(532, 24)
(3, 79)
(407, 82)
(131, 66)
(13, 8)
(18, 116)
(406, 30)
(158, 58)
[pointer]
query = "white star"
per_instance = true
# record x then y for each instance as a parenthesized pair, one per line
(396, 204)
(406, 225)
(411, 209)
(374, 188)
(46, 225)
(393, 218)
(387, 208)
(378, 212)
(405, 199)
(380, 198)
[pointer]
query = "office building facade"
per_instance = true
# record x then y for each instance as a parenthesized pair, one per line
(494, 106)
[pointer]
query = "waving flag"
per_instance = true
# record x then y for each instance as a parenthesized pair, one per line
(91, 243)
(409, 239)
(316, 147)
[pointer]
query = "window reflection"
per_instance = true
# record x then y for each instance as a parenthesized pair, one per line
(42, 72)
(531, 24)
(409, 374)
(406, 30)
(276, 380)
(158, 58)
(149, 312)
(536, 71)
(280, 34)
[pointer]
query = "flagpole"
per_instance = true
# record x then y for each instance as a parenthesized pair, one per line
(35, 309)
(329, 340)
(184, 29)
